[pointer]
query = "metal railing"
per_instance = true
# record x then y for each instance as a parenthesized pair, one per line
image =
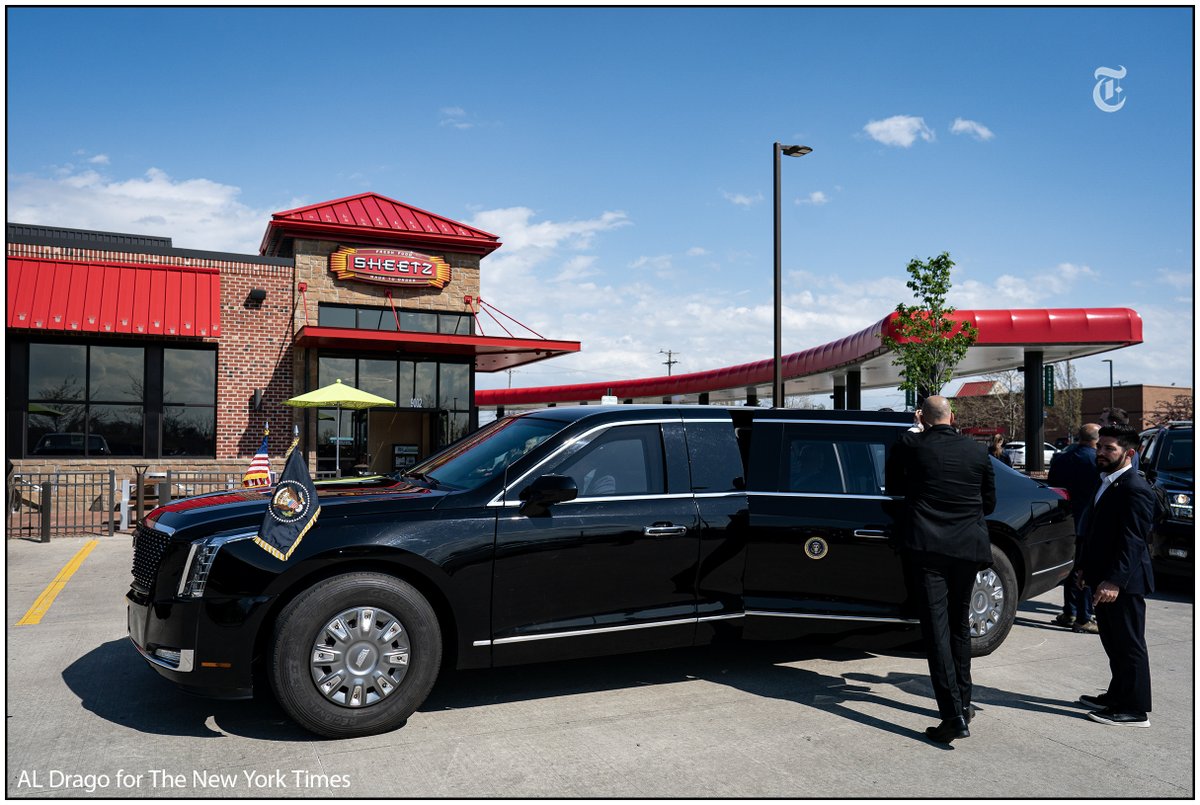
(40, 504)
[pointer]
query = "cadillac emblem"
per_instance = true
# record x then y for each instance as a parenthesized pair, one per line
(816, 548)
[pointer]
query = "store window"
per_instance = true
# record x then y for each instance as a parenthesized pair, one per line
(92, 400)
(385, 318)
(189, 402)
(442, 389)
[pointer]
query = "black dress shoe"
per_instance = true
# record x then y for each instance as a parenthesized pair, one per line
(1095, 702)
(1115, 719)
(948, 730)
(969, 713)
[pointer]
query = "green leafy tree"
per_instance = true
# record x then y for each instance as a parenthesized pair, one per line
(929, 341)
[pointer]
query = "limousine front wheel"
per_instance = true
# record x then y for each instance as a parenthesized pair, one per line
(993, 604)
(355, 655)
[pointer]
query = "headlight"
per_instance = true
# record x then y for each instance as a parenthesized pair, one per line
(1181, 505)
(199, 562)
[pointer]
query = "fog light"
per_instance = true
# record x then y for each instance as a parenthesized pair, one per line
(170, 655)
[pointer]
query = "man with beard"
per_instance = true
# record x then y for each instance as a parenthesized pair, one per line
(1115, 562)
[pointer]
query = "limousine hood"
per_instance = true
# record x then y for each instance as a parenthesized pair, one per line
(244, 509)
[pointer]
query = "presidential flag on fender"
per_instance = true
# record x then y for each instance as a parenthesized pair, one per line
(292, 510)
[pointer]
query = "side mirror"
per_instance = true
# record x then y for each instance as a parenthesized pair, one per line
(545, 491)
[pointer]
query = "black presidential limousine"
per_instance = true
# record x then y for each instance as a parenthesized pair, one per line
(560, 533)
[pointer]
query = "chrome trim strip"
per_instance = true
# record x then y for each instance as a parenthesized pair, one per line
(817, 616)
(729, 617)
(187, 570)
(718, 494)
(603, 630)
(766, 421)
(187, 658)
(516, 504)
(1049, 569)
(498, 500)
(839, 495)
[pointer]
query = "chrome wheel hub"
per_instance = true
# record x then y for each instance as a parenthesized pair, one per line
(987, 602)
(360, 657)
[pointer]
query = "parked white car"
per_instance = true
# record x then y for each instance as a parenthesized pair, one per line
(1016, 453)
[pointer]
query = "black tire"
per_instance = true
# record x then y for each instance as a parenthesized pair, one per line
(993, 605)
(351, 632)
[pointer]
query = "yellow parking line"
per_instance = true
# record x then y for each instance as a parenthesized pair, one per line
(40, 606)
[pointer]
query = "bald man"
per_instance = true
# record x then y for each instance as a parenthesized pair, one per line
(948, 485)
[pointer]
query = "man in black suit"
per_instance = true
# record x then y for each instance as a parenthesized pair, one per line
(1115, 562)
(1074, 469)
(948, 485)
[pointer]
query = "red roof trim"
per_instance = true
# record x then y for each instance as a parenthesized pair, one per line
(491, 353)
(110, 297)
(1117, 326)
(374, 216)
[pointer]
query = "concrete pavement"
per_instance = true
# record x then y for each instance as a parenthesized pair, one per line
(87, 718)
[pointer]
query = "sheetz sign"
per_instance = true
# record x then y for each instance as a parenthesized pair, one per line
(389, 267)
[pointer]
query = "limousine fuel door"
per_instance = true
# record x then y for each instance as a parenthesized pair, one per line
(820, 524)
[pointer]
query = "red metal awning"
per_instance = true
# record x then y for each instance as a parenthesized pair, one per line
(102, 297)
(491, 354)
(1004, 335)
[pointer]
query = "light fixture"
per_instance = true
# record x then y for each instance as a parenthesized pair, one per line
(777, 384)
(257, 295)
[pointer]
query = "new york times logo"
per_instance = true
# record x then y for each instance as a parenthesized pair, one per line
(1107, 88)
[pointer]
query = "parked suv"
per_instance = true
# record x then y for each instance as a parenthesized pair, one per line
(1167, 459)
(1016, 453)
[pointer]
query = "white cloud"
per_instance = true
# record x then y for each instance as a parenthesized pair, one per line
(1043, 288)
(741, 199)
(455, 117)
(899, 130)
(99, 159)
(194, 213)
(816, 198)
(696, 251)
(976, 130)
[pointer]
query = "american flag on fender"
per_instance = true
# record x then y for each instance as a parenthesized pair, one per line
(259, 473)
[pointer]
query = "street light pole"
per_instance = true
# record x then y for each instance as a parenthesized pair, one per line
(777, 380)
(1110, 381)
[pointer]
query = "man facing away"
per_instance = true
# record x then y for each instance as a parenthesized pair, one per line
(1074, 469)
(948, 485)
(1115, 562)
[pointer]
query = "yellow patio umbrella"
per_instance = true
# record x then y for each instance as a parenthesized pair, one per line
(338, 395)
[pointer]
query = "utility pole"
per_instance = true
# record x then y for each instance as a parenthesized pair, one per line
(668, 362)
(509, 372)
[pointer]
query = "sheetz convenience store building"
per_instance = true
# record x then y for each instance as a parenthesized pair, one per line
(123, 350)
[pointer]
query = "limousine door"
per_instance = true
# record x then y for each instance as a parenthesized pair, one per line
(820, 524)
(612, 570)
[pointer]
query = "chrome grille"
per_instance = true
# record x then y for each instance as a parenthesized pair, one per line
(148, 549)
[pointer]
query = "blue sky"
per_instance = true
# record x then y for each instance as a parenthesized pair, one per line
(623, 157)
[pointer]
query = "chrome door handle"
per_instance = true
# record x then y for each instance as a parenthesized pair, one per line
(665, 530)
(870, 534)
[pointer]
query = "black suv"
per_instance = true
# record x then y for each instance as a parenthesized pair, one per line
(1167, 458)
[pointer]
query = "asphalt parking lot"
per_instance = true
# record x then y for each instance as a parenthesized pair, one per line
(87, 718)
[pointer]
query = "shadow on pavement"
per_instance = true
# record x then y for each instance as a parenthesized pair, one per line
(115, 683)
(763, 669)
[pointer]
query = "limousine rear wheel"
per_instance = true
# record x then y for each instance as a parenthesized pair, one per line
(993, 604)
(355, 655)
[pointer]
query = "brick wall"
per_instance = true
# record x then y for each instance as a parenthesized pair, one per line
(255, 353)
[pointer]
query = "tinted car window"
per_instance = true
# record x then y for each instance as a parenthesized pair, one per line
(619, 461)
(716, 462)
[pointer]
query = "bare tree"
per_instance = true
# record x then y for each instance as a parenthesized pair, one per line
(1178, 408)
